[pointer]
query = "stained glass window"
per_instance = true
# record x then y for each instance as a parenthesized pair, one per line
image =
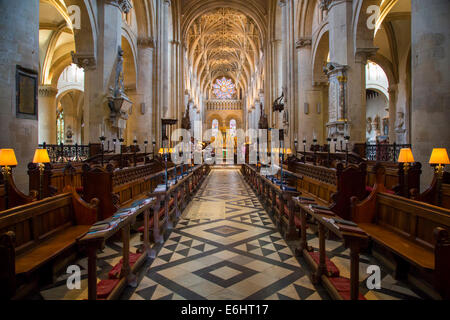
(224, 88)
(233, 128)
(60, 127)
(215, 127)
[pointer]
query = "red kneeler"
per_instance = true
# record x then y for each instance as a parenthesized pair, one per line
(342, 286)
(286, 212)
(115, 272)
(332, 270)
(105, 287)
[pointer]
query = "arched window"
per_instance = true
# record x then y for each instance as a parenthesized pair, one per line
(60, 127)
(215, 127)
(233, 128)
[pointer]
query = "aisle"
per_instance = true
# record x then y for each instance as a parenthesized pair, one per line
(225, 247)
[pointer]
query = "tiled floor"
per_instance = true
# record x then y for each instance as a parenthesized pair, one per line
(226, 247)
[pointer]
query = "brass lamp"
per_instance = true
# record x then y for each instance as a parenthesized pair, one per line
(405, 157)
(7, 159)
(41, 157)
(439, 156)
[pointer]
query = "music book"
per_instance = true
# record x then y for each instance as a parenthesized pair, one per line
(316, 206)
(305, 198)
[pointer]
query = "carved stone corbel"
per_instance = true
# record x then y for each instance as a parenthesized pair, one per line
(363, 54)
(303, 42)
(147, 42)
(124, 5)
(84, 61)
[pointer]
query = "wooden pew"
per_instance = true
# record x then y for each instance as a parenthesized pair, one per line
(34, 237)
(328, 187)
(115, 188)
(55, 177)
(15, 196)
(395, 178)
(123, 273)
(355, 239)
(438, 193)
(414, 233)
(350, 182)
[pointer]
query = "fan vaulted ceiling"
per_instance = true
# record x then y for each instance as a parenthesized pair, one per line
(223, 42)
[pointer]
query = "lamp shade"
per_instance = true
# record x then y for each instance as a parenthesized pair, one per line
(165, 150)
(41, 156)
(439, 156)
(405, 156)
(289, 151)
(7, 157)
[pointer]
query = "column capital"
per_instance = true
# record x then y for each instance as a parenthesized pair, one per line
(363, 54)
(333, 67)
(124, 5)
(281, 3)
(392, 88)
(47, 91)
(303, 42)
(168, 2)
(324, 5)
(146, 42)
(84, 61)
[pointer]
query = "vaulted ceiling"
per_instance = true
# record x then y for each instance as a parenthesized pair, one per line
(223, 42)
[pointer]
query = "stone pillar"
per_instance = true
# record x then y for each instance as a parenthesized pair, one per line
(430, 52)
(100, 70)
(47, 114)
(350, 90)
(392, 111)
(310, 104)
(19, 22)
(140, 123)
(277, 79)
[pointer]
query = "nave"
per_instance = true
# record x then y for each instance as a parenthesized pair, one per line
(226, 247)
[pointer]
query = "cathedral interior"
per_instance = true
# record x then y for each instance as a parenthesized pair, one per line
(224, 150)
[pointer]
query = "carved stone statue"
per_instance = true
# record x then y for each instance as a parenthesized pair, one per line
(263, 122)
(186, 121)
(400, 129)
(118, 102)
(69, 134)
(369, 125)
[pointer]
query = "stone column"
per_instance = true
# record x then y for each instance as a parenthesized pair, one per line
(47, 114)
(19, 22)
(310, 104)
(140, 123)
(430, 52)
(101, 69)
(350, 91)
(392, 111)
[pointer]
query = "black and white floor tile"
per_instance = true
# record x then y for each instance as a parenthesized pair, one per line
(226, 247)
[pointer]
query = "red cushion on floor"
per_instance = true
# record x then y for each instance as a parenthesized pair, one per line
(331, 267)
(342, 285)
(115, 272)
(105, 287)
(298, 222)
